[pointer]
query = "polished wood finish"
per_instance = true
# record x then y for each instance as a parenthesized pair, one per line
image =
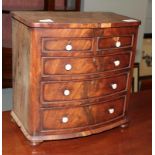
(77, 118)
(77, 44)
(135, 140)
(106, 43)
(94, 64)
(70, 79)
(83, 89)
(74, 19)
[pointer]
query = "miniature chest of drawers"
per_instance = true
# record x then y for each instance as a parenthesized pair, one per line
(71, 72)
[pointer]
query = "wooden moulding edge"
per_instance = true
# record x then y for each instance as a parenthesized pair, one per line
(66, 136)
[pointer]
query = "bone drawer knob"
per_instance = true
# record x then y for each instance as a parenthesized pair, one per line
(68, 67)
(111, 110)
(114, 86)
(116, 63)
(118, 44)
(68, 47)
(65, 119)
(66, 92)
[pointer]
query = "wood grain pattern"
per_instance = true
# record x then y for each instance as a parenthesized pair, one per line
(82, 116)
(72, 33)
(57, 44)
(98, 78)
(54, 91)
(21, 69)
(115, 31)
(74, 19)
(56, 66)
(104, 43)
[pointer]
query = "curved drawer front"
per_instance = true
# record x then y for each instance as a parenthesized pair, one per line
(67, 44)
(115, 42)
(66, 91)
(69, 66)
(114, 62)
(67, 118)
(62, 66)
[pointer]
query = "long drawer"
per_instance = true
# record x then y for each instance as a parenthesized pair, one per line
(70, 66)
(75, 117)
(76, 90)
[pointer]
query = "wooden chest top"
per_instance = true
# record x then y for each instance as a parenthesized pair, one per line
(74, 20)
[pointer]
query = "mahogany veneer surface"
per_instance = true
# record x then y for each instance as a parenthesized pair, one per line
(134, 140)
(71, 76)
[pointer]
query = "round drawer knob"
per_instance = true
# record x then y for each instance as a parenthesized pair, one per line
(116, 62)
(68, 67)
(68, 47)
(111, 110)
(114, 86)
(118, 44)
(65, 119)
(66, 92)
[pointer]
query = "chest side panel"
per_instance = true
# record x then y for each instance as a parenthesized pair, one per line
(21, 72)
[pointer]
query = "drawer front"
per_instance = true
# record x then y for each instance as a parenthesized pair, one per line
(115, 42)
(70, 66)
(67, 44)
(66, 91)
(114, 62)
(107, 111)
(67, 118)
(64, 118)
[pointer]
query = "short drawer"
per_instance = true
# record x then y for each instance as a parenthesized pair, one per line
(70, 66)
(76, 117)
(115, 42)
(67, 44)
(114, 62)
(76, 90)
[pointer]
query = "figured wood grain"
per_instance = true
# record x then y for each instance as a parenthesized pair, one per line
(56, 66)
(40, 79)
(82, 116)
(104, 43)
(54, 91)
(57, 44)
(59, 33)
(115, 31)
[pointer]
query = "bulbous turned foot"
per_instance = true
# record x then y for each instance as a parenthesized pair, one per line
(125, 125)
(35, 143)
